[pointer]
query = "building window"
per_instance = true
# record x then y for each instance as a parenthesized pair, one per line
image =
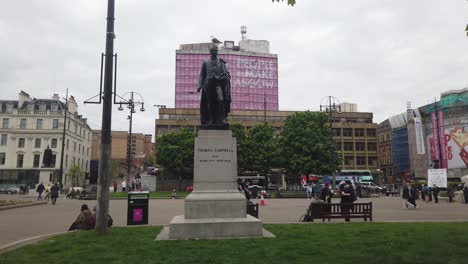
(23, 123)
(87, 152)
(74, 160)
(68, 141)
(19, 161)
(372, 161)
(6, 122)
(338, 146)
(371, 132)
(74, 147)
(86, 168)
(53, 143)
(68, 125)
(66, 161)
(371, 146)
(79, 148)
(348, 146)
(359, 132)
(361, 160)
(2, 158)
(4, 141)
(337, 132)
(37, 143)
(360, 146)
(53, 160)
(39, 123)
(55, 123)
(76, 129)
(347, 132)
(37, 158)
(21, 142)
(349, 160)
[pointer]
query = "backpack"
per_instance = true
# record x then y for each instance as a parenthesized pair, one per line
(110, 221)
(89, 221)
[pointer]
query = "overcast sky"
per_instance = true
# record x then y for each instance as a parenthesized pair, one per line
(378, 54)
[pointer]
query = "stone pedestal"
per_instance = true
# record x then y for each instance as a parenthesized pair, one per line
(215, 209)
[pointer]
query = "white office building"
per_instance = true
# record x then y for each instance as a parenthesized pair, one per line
(31, 125)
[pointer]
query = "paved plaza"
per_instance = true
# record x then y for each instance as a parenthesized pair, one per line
(22, 223)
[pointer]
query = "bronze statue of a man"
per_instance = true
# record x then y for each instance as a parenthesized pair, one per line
(47, 158)
(215, 84)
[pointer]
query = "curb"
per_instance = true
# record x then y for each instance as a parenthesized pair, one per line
(22, 205)
(29, 241)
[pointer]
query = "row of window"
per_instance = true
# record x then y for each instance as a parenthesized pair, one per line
(360, 161)
(81, 149)
(358, 132)
(23, 123)
(38, 144)
(359, 146)
(385, 137)
(39, 125)
(386, 160)
(22, 142)
(37, 161)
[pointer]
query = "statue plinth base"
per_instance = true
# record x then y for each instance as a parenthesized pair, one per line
(215, 209)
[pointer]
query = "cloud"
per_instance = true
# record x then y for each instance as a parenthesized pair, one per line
(378, 54)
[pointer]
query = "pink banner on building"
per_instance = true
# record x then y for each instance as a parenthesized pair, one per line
(443, 140)
(434, 142)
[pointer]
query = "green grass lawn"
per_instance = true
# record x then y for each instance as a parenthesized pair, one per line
(294, 243)
(161, 194)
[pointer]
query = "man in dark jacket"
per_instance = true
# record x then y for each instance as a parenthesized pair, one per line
(40, 189)
(54, 193)
(413, 195)
(435, 191)
(406, 195)
(347, 198)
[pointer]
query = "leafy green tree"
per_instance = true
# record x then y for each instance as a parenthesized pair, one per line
(260, 148)
(76, 176)
(174, 152)
(306, 145)
(114, 169)
(239, 133)
(290, 2)
(150, 160)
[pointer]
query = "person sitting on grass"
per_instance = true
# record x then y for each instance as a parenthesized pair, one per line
(84, 221)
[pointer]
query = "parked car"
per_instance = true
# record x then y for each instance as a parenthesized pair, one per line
(371, 187)
(8, 190)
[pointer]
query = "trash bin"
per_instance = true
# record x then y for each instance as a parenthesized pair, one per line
(137, 208)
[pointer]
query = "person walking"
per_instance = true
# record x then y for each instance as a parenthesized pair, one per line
(406, 195)
(413, 195)
(423, 194)
(326, 193)
(347, 198)
(47, 191)
(124, 185)
(435, 191)
(40, 189)
(54, 193)
(309, 191)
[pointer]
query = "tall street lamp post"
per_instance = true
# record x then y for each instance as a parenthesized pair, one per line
(330, 104)
(131, 104)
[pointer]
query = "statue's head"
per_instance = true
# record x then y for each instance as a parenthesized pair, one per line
(214, 50)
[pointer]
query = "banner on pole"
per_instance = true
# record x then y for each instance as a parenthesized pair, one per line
(437, 177)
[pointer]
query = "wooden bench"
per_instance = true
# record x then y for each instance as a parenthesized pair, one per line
(333, 210)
